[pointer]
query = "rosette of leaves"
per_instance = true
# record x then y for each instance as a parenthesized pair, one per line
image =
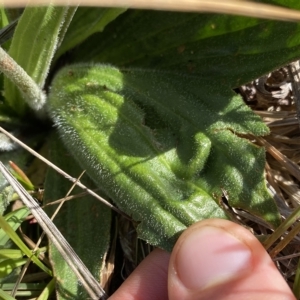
(147, 107)
(162, 140)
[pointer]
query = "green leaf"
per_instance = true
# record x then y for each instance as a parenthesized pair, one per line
(86, 22)
(228, 50)
(84, 222)
(162, 145)
(33, 46)
(18, 173)
(67, 21)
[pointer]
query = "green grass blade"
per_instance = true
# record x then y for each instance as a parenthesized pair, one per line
(48, 290)
(90, 284)
(16, 239)
(28, 290)
(14, 219)
(10, 253)
(6, 296)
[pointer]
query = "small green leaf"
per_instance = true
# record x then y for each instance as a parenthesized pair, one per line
(20, 156)
(162, 145)
(21, 176)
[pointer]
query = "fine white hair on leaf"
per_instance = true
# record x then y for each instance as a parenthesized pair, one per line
(6, 144)
(31, 92)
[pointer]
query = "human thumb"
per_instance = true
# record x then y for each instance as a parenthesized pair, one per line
(218, 259)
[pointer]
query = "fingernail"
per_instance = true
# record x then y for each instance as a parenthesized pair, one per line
(211, 256)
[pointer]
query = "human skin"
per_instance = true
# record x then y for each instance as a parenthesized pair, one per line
(212, 259)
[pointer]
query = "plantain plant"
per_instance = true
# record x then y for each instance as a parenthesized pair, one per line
(143, 101)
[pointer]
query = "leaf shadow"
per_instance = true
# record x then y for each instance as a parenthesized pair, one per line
(163, 111)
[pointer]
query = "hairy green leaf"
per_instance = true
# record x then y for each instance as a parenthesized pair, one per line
(86, 22)
(226, 49)
(84, 222)
(162, 145)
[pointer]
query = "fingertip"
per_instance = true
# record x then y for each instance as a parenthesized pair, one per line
(218, 258)
(148, 281)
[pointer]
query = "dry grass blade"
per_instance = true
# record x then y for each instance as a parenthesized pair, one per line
(284, 242)
(294, 73)
(25, 267)
(83, 274)
(283, 164)
(282, 229)
(233, 7)
(41, 237)
(282, 159)
(60, 171)
(42, 257)
(67, 198)
(67, 195)
(20, 277)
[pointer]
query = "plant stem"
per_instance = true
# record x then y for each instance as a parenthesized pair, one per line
(31, 92)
